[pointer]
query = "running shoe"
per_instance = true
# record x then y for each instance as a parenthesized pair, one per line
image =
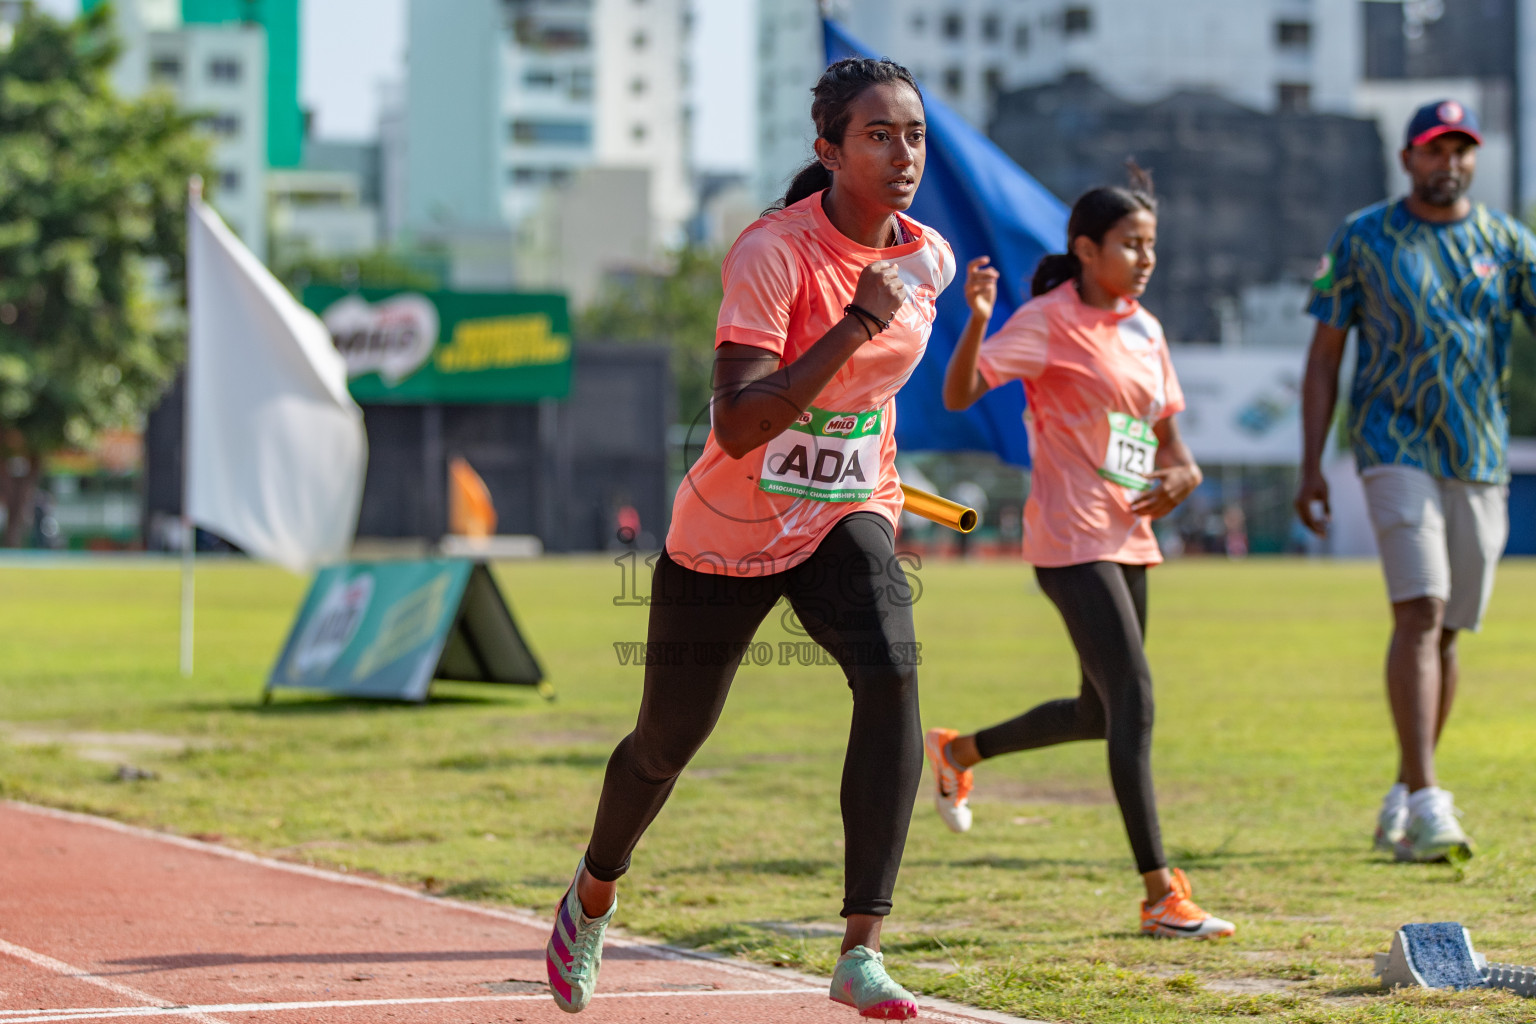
(952, 785)
(575, 952)
(1392, 819)
(860, 981)
(1433, 832)
(1175, 916)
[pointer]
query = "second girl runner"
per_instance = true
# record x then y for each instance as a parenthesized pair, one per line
(1101, 397)
(828, 305)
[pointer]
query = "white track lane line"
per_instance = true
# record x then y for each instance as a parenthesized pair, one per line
(784, 980)
(116, 1012)
(660, 952)
(48, 963)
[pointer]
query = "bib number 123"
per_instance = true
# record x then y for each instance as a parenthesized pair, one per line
(1131, 453)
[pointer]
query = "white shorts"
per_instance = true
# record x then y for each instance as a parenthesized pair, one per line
(1438, 538)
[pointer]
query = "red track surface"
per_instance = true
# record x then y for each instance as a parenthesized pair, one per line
(99, 921)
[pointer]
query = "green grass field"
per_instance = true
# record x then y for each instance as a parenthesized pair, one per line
(1272, 750)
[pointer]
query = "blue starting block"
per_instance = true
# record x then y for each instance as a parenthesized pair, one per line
(1440, 955)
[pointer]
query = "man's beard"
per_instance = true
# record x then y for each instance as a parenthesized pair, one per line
(1442, 191)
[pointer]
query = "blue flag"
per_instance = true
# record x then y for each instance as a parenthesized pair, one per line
(984, 204)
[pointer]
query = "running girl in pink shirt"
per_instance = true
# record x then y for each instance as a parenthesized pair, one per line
(1101, 393)
(828, 305)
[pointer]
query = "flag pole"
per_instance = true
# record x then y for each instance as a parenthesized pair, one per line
(188, 529)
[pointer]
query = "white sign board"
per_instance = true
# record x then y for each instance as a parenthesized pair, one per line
(1242, 406)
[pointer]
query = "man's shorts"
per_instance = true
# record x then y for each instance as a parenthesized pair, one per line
(1438, 538)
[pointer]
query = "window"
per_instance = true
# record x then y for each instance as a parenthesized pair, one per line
(551, 133)
(639, 40)
(993, 78)
(224, 69)
(637, 86)
(547, 37)
(223, 124)
(1294, 97)
(540, 79)
(1293, 34)
(1021, 38)
(537, 175)
(991, 28)
(581, 84)
(1076, 20)
(229, 181)
(954, 26)
(638, 133)
(954, 82)
(165, 69)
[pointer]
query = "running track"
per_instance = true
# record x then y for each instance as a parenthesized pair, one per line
(102, 922)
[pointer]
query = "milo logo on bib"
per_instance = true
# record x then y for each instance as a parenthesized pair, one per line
(825, 456)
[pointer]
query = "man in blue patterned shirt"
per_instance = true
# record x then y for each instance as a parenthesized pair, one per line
(1432, 283)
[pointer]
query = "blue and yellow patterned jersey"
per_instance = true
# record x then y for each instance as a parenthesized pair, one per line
(1435, 305)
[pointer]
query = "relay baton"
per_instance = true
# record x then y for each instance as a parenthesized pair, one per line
(940, 510)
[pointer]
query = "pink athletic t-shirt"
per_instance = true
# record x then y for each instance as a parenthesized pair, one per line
(787, 279)
(1094, 380)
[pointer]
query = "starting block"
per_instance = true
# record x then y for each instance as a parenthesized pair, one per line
(1441, 956)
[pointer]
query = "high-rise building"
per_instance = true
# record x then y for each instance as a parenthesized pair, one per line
(789, 60)
(1272, 55)
(218, 68)
(506, 99)
(279, 19)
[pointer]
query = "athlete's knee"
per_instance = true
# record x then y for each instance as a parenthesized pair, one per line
(883, 686)
(1419, 616)
(1138, 710)
(655, 760)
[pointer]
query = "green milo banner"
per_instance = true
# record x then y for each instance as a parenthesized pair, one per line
(387, 629)
(403, 347)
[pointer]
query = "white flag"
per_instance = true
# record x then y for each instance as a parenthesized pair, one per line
(275, 445)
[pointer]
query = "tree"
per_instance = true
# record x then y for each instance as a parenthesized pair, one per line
(677, 310)
(93, 192)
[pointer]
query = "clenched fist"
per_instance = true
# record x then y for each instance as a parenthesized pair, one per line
(880, 289)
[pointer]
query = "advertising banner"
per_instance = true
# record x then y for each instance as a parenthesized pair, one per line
(387, 629)
(1243, 406)
(406, 347)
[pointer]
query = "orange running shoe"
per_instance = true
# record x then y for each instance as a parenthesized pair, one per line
(953, 786)
(1175, 916)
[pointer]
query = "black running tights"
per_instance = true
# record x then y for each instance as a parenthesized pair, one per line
(1105, 608)
(853, 599)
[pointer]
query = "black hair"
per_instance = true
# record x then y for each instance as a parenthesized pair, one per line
(843, 82)
(1094, 213)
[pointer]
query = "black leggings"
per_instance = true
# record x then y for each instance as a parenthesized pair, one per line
(1105, 608)
(853, 599)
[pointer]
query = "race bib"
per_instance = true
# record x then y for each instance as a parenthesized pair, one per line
(825, 456)
(1131, 453)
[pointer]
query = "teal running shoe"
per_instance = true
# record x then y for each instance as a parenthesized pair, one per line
(860, 981)
(575, 952)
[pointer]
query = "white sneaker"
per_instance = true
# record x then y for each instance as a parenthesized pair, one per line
(1433, 832)
(1392, 819)
(952, 787)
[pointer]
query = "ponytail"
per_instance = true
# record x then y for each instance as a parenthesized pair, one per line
(810, 179)
(1053, 271)
(1094, 213)
(843, 82)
